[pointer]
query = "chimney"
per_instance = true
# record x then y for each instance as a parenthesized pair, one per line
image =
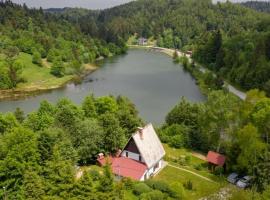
(118, 153)
(140, 130)
(100, 156)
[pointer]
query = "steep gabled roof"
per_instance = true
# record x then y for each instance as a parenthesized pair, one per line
(216, 158)
(125, 167)
(149, 145)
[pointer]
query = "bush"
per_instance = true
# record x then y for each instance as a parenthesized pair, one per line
(188, 160)
(37, 58)
(219, 170)
(178, 191)
(128, 183)
(153, 195)
(95, 175)
(141, 188)
(159, 185)
(198, 167)
(188, 185)
(176, 141)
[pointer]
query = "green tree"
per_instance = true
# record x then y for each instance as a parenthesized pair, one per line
(19, 114)
(37, 58)
(106, 104)
(88, 140)
(114, 135)
(33, 186)
(88, 107)
(58, 69)
(19, 152)
(250, 148)
(106, 183)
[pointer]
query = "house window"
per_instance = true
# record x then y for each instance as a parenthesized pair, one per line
(126, 154)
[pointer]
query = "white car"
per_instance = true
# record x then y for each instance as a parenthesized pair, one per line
(244, 182)
(233, 178)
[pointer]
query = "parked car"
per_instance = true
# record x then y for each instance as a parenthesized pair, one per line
(244, 182)
(233, 178)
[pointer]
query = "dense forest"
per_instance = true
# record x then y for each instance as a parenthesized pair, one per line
(40, 152)
(48, 39)
(262, 6)
(228, 38)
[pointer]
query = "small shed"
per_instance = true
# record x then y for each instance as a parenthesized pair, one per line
(215, 159)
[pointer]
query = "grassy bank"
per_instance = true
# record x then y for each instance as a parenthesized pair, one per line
(39, 79)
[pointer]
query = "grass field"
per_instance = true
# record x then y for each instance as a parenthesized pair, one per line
(38, 77)
(201, 187)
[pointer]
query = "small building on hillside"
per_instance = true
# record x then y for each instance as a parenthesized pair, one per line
(142, 41)
(141, 158)
(215, 159)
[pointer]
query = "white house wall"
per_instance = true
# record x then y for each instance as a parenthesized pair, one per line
(151, 171)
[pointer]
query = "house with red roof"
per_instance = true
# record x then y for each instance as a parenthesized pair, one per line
(141, 158)
(215, 159)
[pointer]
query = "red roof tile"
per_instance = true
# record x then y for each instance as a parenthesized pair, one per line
(215, 158)
(125, 167)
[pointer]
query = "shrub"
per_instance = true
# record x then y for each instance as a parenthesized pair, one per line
(95, 175)
(188, 159)
(198, 167)
(219, 170)
(141, 188)
(36, 59)
(128, 183)
(176, 141)
(153, 195)
(178, 191)
(188, 185)
(159, 185)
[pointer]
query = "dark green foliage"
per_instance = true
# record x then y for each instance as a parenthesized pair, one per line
(141, 188)
(37, 58)
(58, 69)
(88, 140)
(106, 181)
(188, 185)
(19, 114)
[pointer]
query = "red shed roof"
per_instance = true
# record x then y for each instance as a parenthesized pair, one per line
(125, 167)
(215, 158)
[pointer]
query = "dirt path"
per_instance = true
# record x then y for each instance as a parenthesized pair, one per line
(198, 155)
(194, 173)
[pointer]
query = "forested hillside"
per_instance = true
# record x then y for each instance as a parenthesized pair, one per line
(262, 6)
(51, 42)
(228, 38)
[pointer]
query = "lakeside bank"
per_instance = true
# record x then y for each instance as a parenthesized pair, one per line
(170, 52)
(28, 89)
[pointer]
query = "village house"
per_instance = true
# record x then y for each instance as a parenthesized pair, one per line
(141, 158)
(142, 41)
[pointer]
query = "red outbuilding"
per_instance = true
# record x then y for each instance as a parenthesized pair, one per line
(215, 159)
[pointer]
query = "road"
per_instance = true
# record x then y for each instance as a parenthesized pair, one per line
(230, 87)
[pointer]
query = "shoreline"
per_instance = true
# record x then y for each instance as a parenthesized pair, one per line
(25, 92)
(232, 89)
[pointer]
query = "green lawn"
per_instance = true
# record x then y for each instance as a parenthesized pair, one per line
(201, 187)
(37, 77)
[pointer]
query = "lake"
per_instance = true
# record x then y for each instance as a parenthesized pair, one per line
(149, 79)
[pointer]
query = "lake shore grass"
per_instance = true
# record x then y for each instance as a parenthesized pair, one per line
(39, 79)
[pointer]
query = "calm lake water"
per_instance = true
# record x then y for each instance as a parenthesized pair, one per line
(150, 79)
